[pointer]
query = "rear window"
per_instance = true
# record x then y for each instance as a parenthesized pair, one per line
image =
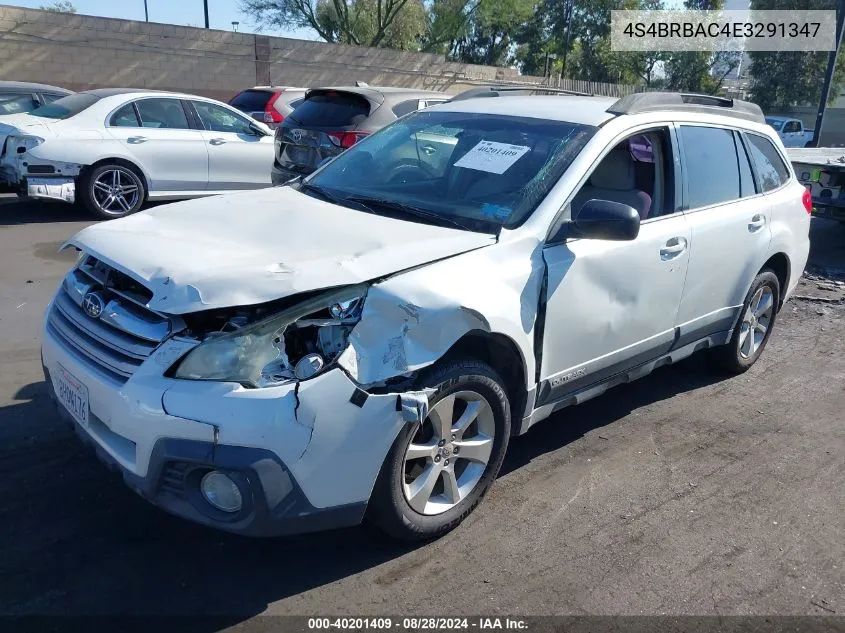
(771, 170)
(331, 109)
(67, 107)
(251, 100)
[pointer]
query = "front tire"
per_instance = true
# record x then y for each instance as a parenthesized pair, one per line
(437, 471)
(112, 191)
(752, 331)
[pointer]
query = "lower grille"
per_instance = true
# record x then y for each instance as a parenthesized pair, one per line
(173, 478)
(103, 325)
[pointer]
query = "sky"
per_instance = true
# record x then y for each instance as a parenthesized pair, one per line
(221, 13)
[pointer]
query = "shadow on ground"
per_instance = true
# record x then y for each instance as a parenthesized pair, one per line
(76, 541)
(17, 211)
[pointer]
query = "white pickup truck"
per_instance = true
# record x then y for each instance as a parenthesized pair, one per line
(791, 131)
(822, 171)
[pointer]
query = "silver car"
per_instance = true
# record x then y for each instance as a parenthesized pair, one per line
(364, 343)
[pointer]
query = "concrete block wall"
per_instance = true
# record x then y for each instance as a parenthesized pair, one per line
(81, 52)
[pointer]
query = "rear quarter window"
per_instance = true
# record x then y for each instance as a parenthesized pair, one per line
(332, 109)
(772, 172)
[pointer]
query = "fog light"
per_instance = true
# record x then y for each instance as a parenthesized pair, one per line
(221, 492)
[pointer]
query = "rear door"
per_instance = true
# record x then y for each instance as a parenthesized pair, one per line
(321, 127)
(730, 224)
(238, 157)
(156, 134)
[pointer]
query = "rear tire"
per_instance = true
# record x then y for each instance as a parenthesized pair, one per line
(426, 487)
(112, 191)
(752, 331)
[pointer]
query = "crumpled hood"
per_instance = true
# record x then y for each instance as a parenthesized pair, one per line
(253, 247)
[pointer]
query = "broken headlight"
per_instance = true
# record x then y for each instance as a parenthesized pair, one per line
(297, 343)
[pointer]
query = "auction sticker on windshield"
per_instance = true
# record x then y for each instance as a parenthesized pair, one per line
(492, 157)
(72, 394)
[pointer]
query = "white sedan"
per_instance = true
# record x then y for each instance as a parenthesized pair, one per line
(114, 149)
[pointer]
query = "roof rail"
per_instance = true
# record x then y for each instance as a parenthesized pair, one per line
(504, 91)
(653, 101)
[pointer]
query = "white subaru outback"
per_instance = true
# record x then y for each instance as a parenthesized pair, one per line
(365, 342)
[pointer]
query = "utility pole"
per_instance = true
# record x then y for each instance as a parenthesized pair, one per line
(146, 12)
(205, 3)
(828, 76)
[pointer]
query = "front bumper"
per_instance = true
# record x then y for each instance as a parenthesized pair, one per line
(274, 503)
(305, 455)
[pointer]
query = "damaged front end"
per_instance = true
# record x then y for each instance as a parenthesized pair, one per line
(271, 345)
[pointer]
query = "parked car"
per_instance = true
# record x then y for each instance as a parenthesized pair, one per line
(268, 104)
(791, 131)
(822, 171)
(114, 149)
(331, 120)
(17, 97)
(355, 346)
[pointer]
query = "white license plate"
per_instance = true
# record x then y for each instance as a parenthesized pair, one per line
(72, 394)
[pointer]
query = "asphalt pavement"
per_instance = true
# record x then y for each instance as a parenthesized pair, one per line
(682, 493)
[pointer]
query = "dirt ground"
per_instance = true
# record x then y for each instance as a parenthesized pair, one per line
(678, 494)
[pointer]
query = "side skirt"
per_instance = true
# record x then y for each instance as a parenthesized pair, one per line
(619, 377)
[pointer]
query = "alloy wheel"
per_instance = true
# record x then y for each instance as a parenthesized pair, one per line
(756, 321)
(116, 191)
(449, 453)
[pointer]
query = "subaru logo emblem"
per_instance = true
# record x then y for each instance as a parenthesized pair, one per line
(296, 135)
(92, 305)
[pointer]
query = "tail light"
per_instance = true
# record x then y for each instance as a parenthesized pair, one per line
(345, 140)
(271, 115)
(807, 199)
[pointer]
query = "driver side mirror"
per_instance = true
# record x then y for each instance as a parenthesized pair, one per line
(601, 220)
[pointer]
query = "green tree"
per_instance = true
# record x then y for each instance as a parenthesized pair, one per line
(59, 6)
(780, 80)
(488, 32)
(364, 22)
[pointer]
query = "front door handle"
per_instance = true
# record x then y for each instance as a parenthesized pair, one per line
(136, 140)
(217, 141)
(757, 223)
(673, 248)
(428, 150)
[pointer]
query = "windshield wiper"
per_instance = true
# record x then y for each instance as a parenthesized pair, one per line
(408, 209)
(330, 197)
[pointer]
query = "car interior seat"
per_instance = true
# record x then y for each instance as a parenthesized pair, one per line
(614, 179)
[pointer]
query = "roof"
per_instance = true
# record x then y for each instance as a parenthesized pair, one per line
(276, 88)
(378, 93)
(574, 109)
(25, 85)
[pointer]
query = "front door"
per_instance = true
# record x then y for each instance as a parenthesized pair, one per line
(611, 306)
(238, 158)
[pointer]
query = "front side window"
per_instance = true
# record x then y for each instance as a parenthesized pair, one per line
(480, 171)
(712, 171)
(637, 172)
(166, 114)
(772, 172)
(219, 119)
(792, 126)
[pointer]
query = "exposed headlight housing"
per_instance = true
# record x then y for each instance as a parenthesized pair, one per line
(265, 353)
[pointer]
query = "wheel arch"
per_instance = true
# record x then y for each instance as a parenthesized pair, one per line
(123, 162)
(504, 356)
(779, 264)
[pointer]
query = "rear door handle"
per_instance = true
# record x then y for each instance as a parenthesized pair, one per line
(673, 248)
(136, 140)
(428, 149)
(217, 141)
(757, 223)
